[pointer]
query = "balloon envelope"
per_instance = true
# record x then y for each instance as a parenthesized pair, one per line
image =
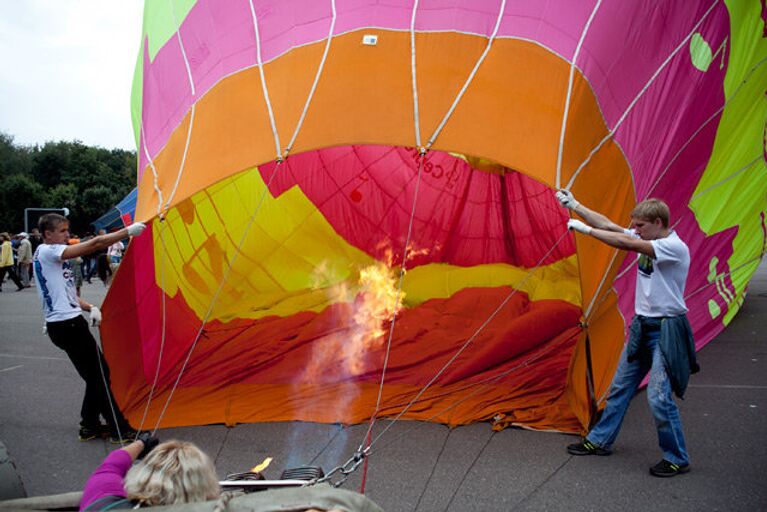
(265, 289)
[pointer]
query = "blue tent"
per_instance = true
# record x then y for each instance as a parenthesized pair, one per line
(118, 216)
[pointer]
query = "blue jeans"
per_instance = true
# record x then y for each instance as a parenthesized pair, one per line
(627, 378)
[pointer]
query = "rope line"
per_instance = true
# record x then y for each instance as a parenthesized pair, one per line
(316, 79)
(623, 117)
(422, 151)
(705, 123)
(416, 114)
(218, 292)
(280, 159)
(433, 469)
(263, 82)
(155, 182)
(479, 386)
(481, 59)
(108, 392)
(569, 93)
(164, 327)
(468, 470)
(728, 178)
(471, 338)
(183, 157)
(602, 281)
(398, 296)
(181, 44)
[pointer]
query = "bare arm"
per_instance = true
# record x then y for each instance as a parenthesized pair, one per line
(134, 449)
(84, 305)
(592, 218)
(93, 245)
(623, 241)
(597, 220)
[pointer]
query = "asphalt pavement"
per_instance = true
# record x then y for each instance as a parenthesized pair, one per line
(422, 466)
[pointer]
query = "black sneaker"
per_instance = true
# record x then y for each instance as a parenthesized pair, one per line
(88, 433)
(586, 447)
(128, 436)
(666, 469)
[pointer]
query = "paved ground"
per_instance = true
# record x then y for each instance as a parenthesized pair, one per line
(427, 467)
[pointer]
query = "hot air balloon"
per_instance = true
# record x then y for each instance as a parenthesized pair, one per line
(352, 212)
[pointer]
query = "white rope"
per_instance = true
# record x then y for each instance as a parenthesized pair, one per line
(164, 327)
(154, 170)
(569, 92)
(263, 83)
(452, 108)
(218, 292)
(108, 392)
(316, 79)
(416, 115)
(472, 337)
(183, 157)
(705, 123)
(480, 386)
(399, 294)
(602, 281)
(181, 44)
(727, 274)
(638, 97)
(280, 159)
(728, 178)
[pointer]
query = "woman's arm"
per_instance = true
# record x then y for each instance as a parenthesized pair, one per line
(107, 480)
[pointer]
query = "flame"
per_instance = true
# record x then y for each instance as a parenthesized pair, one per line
(392, 259)
(260, 467)
(364, 309)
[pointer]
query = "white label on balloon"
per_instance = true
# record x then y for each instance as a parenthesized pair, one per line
(370, 39)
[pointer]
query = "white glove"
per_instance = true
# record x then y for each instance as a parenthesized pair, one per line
(136, 228)
(579, 226)
(94, 317)
(45, 329)
(567, 199)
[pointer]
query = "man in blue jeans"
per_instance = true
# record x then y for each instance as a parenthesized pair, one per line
(660, 337)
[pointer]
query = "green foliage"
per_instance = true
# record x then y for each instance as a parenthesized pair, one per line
(87, 180)
(17, 190)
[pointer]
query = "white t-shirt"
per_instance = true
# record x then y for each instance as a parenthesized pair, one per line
(116, 249)
(660, 281)
(55, 283)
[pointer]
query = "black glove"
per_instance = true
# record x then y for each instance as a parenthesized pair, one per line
(149, 443)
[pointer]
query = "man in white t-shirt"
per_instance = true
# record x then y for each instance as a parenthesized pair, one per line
(660, 340)
(67, 328)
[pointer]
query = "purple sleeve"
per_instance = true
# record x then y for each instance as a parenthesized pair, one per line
(107, 480)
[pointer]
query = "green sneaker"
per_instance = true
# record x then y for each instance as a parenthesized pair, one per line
(665, 469)
(89, 433)
(128, 436)
(586, 447)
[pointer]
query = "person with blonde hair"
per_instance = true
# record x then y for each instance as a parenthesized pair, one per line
(660, 337)
(170, 473)
(6, 262)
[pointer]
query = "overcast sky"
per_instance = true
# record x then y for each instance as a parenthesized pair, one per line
(67, 68)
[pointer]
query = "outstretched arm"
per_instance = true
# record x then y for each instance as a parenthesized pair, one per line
(613, 239)
(101, 241)
(592, 218)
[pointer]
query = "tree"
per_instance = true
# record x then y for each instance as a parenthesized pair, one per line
(87, 180)
(13, 160)
(18, 192)
(94, 202)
